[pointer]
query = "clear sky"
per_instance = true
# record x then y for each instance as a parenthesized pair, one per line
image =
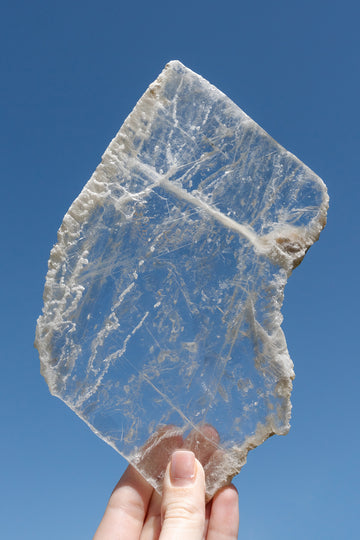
(70, 74)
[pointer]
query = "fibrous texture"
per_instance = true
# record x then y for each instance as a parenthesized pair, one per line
(161, 320)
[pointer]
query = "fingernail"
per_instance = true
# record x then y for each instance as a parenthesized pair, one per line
(182, 468)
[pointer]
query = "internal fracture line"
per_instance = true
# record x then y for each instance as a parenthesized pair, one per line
(216, 214)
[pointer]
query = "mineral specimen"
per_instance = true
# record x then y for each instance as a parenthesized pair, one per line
(161, 320)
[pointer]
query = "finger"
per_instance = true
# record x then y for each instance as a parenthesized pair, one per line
(127, 507)
(156, 453)
(152, 525)
(183, 504)
(203, 442)
(224, 517)
(207, 516)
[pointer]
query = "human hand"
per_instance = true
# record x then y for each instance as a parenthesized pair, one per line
(137, 512)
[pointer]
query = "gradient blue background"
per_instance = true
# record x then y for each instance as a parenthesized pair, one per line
(70, 74)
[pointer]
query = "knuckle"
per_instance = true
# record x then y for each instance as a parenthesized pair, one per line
(183, 510)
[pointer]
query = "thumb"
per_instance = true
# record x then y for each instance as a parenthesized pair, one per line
(183, 501)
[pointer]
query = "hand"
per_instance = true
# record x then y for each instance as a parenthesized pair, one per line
(137, 512)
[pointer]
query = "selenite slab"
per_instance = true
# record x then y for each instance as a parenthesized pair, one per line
(161, 319)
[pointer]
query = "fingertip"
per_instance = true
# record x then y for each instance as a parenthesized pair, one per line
(203, 441)
(227, 499)
(224, 518)
(211, 433)
(228, 493)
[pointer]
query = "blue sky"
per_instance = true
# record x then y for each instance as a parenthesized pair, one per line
(71, 73)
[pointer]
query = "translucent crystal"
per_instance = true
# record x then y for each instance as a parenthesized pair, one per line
(161, 319)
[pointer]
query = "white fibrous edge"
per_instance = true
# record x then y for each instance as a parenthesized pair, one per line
(285, 246)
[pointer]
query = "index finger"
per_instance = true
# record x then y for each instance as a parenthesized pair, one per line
(125, 513)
